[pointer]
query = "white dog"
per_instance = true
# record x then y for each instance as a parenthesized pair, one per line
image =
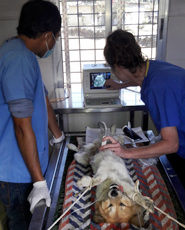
(115, 190)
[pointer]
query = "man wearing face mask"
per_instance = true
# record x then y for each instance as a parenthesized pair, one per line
(26, 113)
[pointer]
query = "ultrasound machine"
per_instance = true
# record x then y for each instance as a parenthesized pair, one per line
(95, 93)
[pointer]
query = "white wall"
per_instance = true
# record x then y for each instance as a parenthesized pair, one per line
(9, 16)
(175, 46)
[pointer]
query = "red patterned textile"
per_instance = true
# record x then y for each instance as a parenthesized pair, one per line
(151, 185)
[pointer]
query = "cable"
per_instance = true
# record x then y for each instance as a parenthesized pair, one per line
(55, 100)
(88, 188)
(86, 205)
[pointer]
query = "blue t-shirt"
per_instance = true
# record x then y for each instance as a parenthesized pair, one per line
(163, 92)
(20, 78)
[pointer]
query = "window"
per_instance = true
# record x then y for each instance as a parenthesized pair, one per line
(84, 28)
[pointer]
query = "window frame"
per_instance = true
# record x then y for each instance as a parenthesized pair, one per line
(65, 57)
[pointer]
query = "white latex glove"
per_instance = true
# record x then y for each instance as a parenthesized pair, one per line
(54, 140)
(40, 191)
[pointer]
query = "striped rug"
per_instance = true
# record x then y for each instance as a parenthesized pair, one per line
(151, 184)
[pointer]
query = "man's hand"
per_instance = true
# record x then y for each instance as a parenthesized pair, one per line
(168, 144)
(112, 85)
(114, 146)
(40, 191)
(54, 140)
(116, 85)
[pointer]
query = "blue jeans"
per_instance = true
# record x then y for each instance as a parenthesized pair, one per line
(14, 197)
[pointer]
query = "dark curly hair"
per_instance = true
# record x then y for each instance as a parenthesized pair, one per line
(122, 50)
(37, 17)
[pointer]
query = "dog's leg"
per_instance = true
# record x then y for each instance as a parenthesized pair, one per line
(144, 201)
(86, 181)
(87, 152)
(72, 147)
(82, 158)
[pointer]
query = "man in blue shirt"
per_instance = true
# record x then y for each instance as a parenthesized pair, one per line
(162, 90)
(26, 112)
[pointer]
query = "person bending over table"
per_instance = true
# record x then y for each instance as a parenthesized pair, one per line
(163, 92)
(26, 112)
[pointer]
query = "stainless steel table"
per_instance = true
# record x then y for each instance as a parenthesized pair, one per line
(44, 217)
(75, 104)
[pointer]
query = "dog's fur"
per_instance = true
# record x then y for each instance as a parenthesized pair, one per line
(114, 187)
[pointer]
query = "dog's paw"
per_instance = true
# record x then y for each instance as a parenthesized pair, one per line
(145, 202)
(85, 181)
(149, 204)
(72, 147)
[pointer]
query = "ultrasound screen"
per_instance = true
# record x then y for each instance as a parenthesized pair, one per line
(97, 80)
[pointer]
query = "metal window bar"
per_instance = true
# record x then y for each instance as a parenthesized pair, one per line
(108, 17)
(119, 14)
(66, 42)
(108, 27)
(93, 36)
(152, 29)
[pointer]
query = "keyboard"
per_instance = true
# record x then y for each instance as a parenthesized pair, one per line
(105, 102)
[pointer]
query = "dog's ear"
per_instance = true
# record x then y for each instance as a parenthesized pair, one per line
(113, 129)
(98, 218)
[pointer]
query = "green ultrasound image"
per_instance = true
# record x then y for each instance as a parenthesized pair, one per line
(99, 81)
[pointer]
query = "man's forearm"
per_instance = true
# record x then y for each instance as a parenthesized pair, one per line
(155, 150)
(28, 147)
(128, 84)
(52, 123)
(168, 144)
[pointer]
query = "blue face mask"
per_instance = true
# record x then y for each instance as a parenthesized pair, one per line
(49, 52)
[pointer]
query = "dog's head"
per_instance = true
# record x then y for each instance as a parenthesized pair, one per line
(119, 208)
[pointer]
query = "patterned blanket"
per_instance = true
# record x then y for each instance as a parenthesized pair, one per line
(151, 185)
